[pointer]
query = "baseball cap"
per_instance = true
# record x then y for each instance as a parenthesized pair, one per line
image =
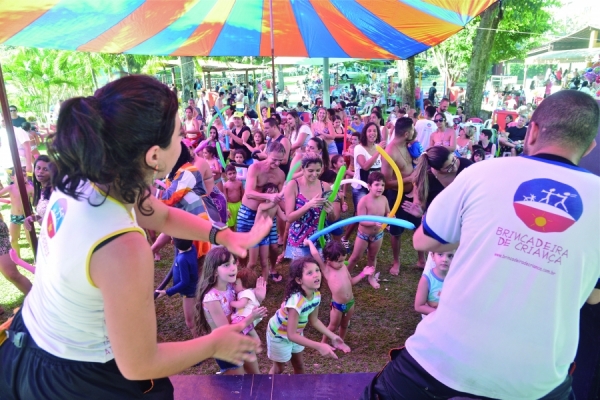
(238, 114)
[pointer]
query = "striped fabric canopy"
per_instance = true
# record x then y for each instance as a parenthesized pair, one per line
(380, 29)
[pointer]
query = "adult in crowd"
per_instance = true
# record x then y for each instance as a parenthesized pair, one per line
(397, 149)
(259, 174)
(432, 95)
(192, 126)
(17, 120)
(443, 136)
(534, 293)
(304, 199)
(425, 127)
(298, 132)
(240, 134)
(443, 109)
(366, 160)
(517, 133)
(96, 325)
(323, 127)
(274, 135)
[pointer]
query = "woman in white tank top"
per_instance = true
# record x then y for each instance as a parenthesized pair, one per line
(88, 325)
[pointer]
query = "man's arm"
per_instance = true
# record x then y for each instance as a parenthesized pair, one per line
(423, 242)
(251, 184)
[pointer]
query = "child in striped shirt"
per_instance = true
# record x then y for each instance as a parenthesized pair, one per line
(285, 333)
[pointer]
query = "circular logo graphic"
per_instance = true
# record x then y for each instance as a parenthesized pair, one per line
(546, 205)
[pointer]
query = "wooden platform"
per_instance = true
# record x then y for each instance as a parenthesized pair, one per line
(275, 387)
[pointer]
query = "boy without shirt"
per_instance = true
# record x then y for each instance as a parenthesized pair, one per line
(234, 192)
(397, 149)
(370, 234)
(259, 174)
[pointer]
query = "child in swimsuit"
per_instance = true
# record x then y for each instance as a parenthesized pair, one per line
(430, 285)
(340, 283)
(234, 192)
(17, 214)
(370, 234)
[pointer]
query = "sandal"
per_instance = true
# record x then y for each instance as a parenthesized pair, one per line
(276, 277)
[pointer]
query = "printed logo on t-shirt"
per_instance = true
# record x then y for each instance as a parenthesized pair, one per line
(546, 205)
(57, 214)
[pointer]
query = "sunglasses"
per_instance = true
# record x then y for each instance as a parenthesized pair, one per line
(439, 120)
(450, 167)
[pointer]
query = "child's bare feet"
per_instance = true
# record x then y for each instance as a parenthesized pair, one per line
(395, 270)
(374, 280)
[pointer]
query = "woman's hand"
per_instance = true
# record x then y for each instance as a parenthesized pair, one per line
(231, 346)
(239, 243)
(328, 207)
(161, 293)
(317, 201)
(412, 208)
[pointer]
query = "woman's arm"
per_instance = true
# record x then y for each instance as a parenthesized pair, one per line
(421, 305)
(177, 223)
(126, 280)
(299, 140)
(366, 164)
(452, 135)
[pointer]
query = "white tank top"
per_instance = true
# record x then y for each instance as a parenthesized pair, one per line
(64, 311)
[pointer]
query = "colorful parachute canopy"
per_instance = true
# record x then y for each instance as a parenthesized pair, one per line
(381, 29)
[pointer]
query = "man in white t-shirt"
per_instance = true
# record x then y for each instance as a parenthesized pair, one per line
(23, 143)
(443, 109)
(425, 127)
(507, 323)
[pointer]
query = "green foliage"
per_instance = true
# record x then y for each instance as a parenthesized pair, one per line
(38, 78)
(531, 16)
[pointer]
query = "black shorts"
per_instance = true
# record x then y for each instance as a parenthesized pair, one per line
(28, 372)
(400, 214)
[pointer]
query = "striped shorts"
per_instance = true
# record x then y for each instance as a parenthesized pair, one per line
(245, 221)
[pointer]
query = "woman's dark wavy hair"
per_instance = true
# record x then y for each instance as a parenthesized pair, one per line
(363, 134)
(40, 192)
(208, 279)
(296, 270)
(104, 138)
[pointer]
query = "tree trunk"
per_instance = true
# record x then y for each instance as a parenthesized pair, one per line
(407, 76)
(187, 77)
(480, 59)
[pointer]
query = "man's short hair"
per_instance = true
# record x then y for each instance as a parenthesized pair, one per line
(575, 126)
(402, 126)
(275, 147)
(430, 111)
(271, 121)
(444, 99)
